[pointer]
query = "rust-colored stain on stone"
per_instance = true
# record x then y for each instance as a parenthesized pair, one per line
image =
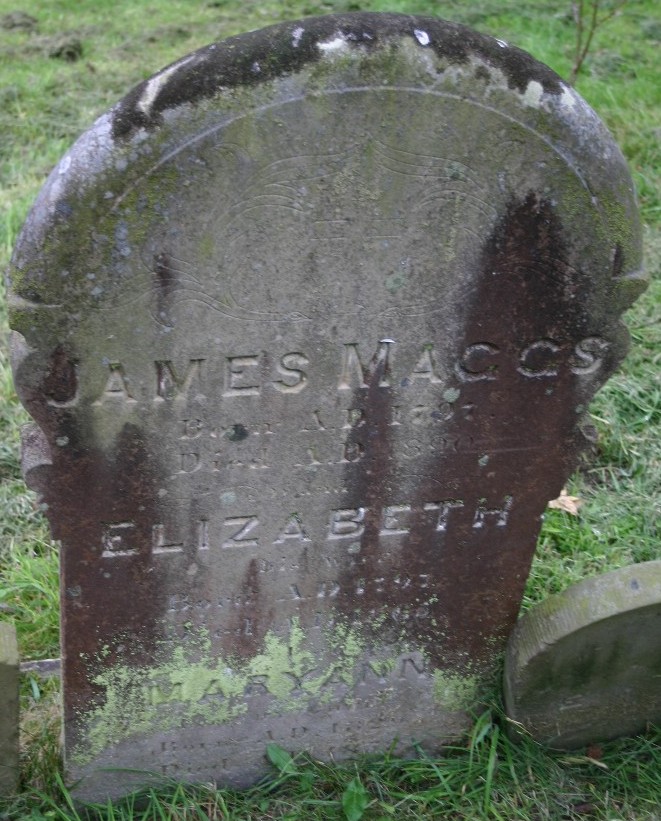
(61, 383)
(250, 620)
(443, 601)
(95, 501)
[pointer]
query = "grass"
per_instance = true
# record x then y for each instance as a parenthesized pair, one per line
(45, 102)
(487, 778)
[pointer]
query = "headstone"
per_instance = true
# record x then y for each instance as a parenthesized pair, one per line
(585, 664)
(308, 324)
(8, 708)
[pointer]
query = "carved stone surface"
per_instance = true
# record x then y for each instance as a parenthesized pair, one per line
(8, 708)
(308, 324)
(585, 665)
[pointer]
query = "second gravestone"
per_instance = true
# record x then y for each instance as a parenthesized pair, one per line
(308, 324)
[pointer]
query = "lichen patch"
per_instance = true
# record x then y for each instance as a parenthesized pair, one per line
(533, 94)
(335, 45)
(195, 686)
(156, 83)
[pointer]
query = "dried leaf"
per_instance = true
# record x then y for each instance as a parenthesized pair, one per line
(595, 752)
(570, 504)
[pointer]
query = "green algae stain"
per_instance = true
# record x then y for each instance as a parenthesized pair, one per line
(455, 692)
(395, 281)
(203, 692)
(284, 664)
(181, 691)
(191, 686)
(207, 246)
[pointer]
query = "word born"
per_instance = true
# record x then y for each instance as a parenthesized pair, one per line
(244, 376)
(343, 523)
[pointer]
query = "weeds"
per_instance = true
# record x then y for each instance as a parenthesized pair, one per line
(588, 17)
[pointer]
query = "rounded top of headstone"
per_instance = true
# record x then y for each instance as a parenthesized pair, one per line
(288, 48)
(584, 664)
(584, 604)
(320, 58)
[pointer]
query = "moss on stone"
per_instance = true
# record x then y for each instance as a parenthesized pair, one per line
(193, 686)
(456, 692)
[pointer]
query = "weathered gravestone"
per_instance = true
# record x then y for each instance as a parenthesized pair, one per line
(308, 324)
(585, 664)
(8, 708)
